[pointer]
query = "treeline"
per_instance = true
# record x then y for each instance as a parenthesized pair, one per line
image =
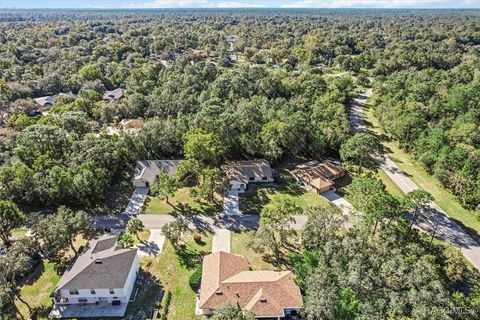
(435, 115)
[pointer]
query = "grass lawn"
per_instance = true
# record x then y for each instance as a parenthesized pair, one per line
(40, 284)
(36, 292)
(144, 235)
(181, 201)
(390, 186)
(253, 201)
(444, 198)
(173, 269)
(258, 261)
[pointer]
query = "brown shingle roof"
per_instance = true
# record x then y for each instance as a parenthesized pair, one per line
(226, 279)
(319, 174)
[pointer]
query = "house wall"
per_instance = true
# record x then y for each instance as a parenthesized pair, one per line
(259, 179)
(237, 185)
(122, 294)
(139, 183)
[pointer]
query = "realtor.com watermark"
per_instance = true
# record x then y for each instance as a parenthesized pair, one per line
(452, 310)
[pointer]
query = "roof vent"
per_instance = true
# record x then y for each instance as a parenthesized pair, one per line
(218, 293)
(98, 261)
(263, 300)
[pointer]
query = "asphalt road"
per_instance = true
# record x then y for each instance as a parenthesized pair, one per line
(443, 227)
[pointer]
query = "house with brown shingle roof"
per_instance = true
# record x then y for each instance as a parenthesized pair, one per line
(99, 283)
(241, 173)
(318, 175)
(227, 279)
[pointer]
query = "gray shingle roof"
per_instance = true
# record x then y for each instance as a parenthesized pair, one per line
(147, 170)
(101, 265)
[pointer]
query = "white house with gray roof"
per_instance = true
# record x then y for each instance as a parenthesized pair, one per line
(99, 283)
(147, 170)
(241, 173)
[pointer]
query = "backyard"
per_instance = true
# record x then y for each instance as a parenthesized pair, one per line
(258, 196)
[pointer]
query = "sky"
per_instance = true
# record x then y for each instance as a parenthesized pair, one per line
(110, 4)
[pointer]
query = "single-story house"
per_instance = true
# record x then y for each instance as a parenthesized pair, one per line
(99, 283)
(318, 175)
(226, 278)
(241, 173)
(45, 103)
(113, 95)
(147, 170)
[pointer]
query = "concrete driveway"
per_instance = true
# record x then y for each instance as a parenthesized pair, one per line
(221, 240)
(231, 205)
(439, 222)
(135, 205)
(340, 202)
(153, 246)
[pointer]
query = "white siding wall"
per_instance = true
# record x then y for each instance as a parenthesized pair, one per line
(122, 294)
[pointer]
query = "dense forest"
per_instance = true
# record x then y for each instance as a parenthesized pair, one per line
(221, 85)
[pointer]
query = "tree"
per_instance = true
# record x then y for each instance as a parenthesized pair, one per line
(175, 230)
(10, 218)
(230, 312)
(362, 150)
(125, 241)
(57, 232)
(275, 222)
(203, 146)
(418, 201)
(165, 186)
(212, 181)
(134, 226)
(323, 224)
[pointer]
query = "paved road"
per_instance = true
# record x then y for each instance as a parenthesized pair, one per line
(446, 229)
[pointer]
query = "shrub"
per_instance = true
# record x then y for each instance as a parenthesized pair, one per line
(165, 305)
(195, 278)
(197, 238)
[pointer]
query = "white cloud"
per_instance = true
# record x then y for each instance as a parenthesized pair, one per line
(240, 5)
(167, 4)
(381, 4)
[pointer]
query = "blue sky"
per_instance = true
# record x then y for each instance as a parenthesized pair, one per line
(239, 3)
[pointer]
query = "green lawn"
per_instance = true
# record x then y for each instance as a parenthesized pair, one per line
(444, 198)
(253, 201)
(144, 235)
(181, 201)
(36, 292)
(174, 269)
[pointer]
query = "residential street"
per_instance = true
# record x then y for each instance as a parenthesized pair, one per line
(446, 229)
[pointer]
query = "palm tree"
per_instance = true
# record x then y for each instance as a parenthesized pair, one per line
(125, 241)
(134, 226)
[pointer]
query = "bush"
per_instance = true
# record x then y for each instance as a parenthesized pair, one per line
(197, 238)
(165, 305)
(195, 278)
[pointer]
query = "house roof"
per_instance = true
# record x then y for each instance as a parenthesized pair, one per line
(113, 94)
(226, 279)
(147, 170)
(318, 174)
(101, 265)
(43, 101)
(241, 170)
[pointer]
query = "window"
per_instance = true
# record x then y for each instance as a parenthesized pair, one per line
(82, 300)
(251, 178)
(92, 291)
(111, 291)
(264, 178)
(73, 291)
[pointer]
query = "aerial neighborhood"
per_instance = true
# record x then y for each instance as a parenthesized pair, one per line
(239, 164)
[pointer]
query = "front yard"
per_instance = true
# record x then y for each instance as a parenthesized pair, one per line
(181, 201)
(258, 196)
(173, 269)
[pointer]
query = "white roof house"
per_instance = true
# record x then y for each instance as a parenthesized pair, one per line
(147, 170)
(99, 283)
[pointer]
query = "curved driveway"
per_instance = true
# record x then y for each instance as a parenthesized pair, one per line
(443, 227)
